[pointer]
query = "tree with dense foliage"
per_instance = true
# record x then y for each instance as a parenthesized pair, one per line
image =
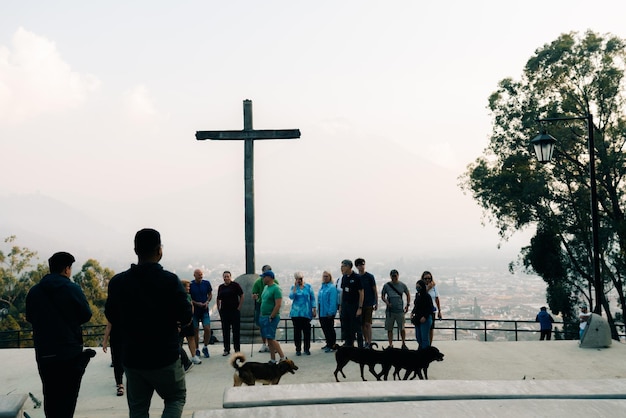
(18, 275)
(573, 76)
(16, 278)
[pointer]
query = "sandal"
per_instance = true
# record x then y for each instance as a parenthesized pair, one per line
(120, 390)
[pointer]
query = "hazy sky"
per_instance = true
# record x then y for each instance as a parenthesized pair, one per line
(100, 101)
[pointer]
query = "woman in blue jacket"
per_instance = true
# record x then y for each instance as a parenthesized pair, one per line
(328, 301)
(302, 311)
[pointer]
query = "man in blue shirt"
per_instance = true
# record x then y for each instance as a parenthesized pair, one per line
(201, 294)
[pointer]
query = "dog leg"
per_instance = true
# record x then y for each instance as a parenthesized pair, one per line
(361, 366)
(372, 369)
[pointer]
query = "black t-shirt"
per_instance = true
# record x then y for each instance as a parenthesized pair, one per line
(229, 296)
(350, 286)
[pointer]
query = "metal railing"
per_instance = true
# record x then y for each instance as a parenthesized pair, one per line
(452, 329)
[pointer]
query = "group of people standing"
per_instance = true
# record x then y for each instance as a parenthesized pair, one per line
(147, 304)
(230, 299)
(355, 297)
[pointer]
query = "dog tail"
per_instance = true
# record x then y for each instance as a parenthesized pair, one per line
(236, 358)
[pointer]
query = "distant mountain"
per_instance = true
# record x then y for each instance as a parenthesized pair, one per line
(47, 225)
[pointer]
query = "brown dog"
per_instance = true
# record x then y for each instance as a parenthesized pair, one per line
(266, 373)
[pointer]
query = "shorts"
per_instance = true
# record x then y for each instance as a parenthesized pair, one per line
(394, 318)
(432, 326)
(188, 331)
(366, 314)
(268, 327)
(204, 318)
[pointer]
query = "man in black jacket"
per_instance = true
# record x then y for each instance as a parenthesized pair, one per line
(56, 307)
(146, 304)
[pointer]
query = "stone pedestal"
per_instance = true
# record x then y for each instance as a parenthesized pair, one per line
(250, 333)
(597, 333)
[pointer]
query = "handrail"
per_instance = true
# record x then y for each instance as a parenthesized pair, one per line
(446, 329)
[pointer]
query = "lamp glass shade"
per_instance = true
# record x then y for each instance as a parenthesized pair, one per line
(544, 146)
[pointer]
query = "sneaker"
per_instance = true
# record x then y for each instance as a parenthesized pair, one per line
(324, 348)
(197, 352)
(298, 353)
(188, 366)
(366, 345)
(307, 353)
(205, 351)
(264, 349)
(226, 353)
(272, 362)
(196, 360)
(328, 350)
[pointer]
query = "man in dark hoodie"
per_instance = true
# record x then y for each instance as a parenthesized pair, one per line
(147, 304)
(56, 307)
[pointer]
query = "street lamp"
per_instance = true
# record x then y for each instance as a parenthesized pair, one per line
(544, 145)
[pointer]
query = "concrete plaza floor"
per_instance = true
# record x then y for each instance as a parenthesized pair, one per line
(464, 361)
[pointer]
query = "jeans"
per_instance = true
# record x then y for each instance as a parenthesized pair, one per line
(422, 332)
(168, 382)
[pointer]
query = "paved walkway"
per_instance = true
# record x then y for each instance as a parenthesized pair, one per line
(464, 361)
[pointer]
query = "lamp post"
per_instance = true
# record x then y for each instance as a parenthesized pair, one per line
(544, 146)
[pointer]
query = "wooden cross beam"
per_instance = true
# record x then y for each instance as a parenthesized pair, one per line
(249, 135)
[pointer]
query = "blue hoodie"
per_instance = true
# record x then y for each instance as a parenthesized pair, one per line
(327, 299)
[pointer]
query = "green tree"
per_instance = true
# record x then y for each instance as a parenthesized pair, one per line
(94, 280)
(572, 76)
(16, 278)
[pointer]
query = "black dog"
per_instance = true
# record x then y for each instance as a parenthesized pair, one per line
(363, 356)
(267, 373)
(416, 361)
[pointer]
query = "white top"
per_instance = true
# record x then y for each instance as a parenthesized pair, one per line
(434, 294)
(586, 316)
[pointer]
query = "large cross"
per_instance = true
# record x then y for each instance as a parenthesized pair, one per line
(249, 135)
